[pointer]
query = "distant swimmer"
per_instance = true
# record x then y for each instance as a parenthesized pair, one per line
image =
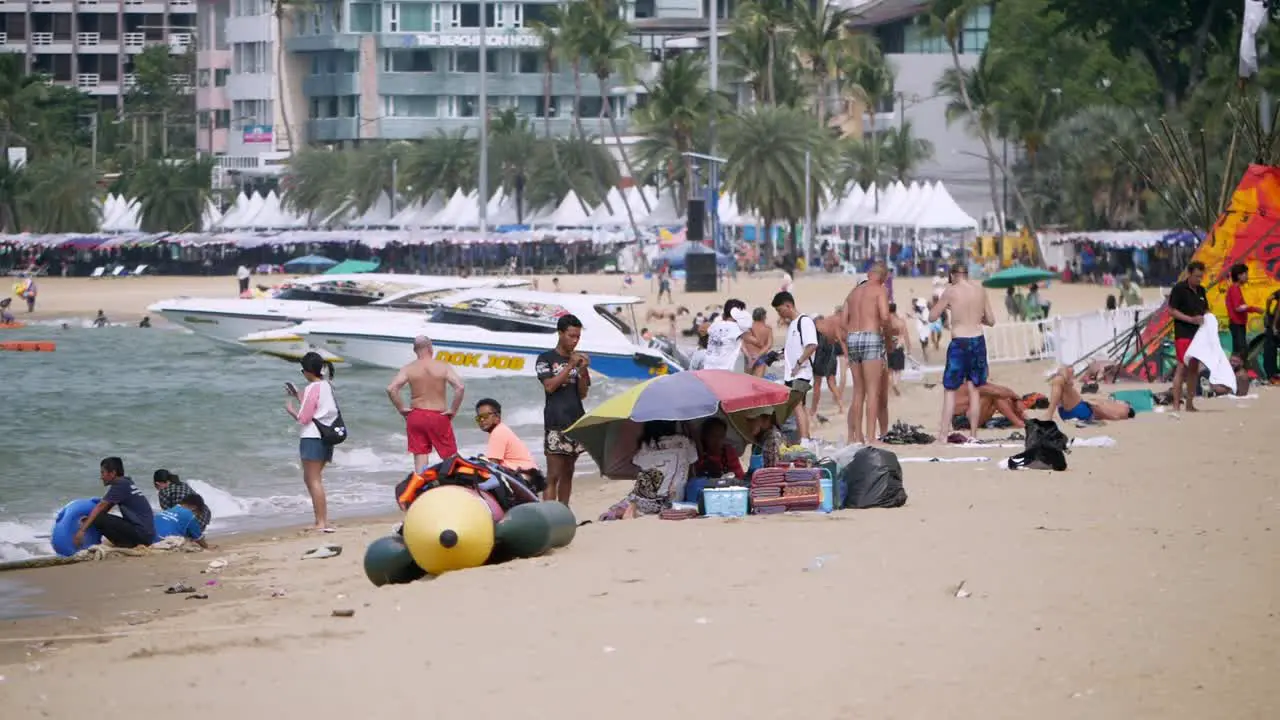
(101, 320)
(145, 322)
(427, 423)
(967, 354)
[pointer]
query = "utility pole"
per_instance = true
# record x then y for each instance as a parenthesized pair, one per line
(146, 137)
(713, 48)
(394, 184)
(93, 142)
(164, 134)
(808, 205)
(483, 190)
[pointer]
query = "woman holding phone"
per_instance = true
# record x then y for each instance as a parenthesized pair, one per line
(317, 405)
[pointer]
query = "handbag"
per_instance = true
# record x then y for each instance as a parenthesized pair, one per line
(335, 433)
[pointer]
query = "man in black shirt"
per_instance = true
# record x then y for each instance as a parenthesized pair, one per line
(565, 377)
(1187, 304)
(135, 525)
(1271, 335)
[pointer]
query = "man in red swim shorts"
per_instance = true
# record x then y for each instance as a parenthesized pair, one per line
(427, 423)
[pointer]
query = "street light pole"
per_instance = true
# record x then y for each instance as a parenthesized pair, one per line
(93, 142)
(483, 179)
(808, 204)
(714, 85)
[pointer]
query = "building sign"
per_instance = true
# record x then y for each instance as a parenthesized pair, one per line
(257, 134)
(509, 39)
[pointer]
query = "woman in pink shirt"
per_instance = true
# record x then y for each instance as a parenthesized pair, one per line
(316, 405)
(504, 447)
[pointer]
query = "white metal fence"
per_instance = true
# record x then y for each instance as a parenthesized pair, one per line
(1066, 339)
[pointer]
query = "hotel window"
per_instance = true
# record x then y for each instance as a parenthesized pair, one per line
(406, 106)
(408, 61)
(531, 13)
(504, 15)
(202, 78)
(468, 61)
(540, 106)
(919, 39)
(529, 63)
(220, 77)
(977, 24)
(221, 119)
(468, 15)
(407, 17)
(250, 58)
(464, 106)
(361, 18)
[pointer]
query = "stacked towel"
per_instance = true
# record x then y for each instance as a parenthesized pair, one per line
(682, 514)
(780, 489)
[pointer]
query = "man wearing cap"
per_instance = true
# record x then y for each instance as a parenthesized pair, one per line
(427, 423)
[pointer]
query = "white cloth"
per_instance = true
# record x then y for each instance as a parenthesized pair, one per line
(801, 333)
(1255, 18)
(1207, 348)
(724, 341)
(326, 407)
(242, 272)
(672, 455)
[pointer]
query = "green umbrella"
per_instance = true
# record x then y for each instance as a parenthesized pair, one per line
(1018, 275)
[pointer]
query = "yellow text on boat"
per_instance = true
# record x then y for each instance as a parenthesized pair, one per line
(485, 361)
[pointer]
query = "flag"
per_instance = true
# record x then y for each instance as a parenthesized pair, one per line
(1255, 18)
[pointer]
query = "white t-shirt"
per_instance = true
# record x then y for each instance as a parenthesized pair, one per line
(801, 333)
(673, 455)
(724, 340)
(326, 407)
(242, 272)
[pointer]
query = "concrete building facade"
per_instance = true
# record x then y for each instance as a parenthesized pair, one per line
(90, 44)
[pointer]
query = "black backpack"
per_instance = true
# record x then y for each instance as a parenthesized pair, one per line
(1045, 448)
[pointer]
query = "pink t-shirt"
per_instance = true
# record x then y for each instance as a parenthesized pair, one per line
(507, 449)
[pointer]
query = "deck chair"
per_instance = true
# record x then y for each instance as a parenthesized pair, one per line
(98, 271)
(118, 271)
(140, 270)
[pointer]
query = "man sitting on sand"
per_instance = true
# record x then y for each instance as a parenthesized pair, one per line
(992, 399)
(1066, 400)
(135, 525)
(427, 423)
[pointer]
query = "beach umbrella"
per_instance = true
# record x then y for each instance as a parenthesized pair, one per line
(309, 264)
(1017, 276)
(611, 431)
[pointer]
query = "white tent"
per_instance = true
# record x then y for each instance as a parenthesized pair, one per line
(231, 219)
(378, 214)
(916, 205)
(888, 215)
(501, 210)
(466, 213)
(418, 213)
(665, 212)
(837, 209)
(882, 198)
(211, 216)
(568, 213)
(444, 217)
(944, 214)
(602, 217)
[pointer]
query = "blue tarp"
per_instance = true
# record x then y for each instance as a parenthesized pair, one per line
(309, 263)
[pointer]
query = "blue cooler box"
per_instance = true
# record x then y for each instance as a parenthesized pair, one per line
(725, 502)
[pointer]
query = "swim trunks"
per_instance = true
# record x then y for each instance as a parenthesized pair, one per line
(556, 442)
(1082, 412)
(865, 346)
(430, 430)
(1180, 347)
(897, 360)
(824, 359)
(966, 362)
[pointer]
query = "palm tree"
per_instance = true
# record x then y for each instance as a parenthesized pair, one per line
(575, 24)
(868, 82)
(444, 162)
(820, 42)
(580, 162)
(285, 12)
(512, 154)
(370, 171)
(771, 17)
(548, 32)
(606, 44)
(14, 187)
(172, 196)
(19, 95)
(678, 112)
(903, 152)
(863, 163)
(765, 150)
(314, 183)
(61, 194)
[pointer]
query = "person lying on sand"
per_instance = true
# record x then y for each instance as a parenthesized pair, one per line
(993, 399)
(1065, 398)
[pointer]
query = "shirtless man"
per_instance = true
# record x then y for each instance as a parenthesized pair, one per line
(758, 343)
(994, 399)
(896, 339)
(967, 353)
(826, 362)
(866, 313)
(1065, 398)
(426, 422)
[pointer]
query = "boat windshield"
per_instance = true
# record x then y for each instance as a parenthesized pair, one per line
(420, 300)
(616, 315)
(349, 293)
(500, 315)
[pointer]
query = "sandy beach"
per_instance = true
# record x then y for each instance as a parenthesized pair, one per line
(1141, 583)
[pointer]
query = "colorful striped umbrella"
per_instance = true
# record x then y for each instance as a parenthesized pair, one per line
(610, 431)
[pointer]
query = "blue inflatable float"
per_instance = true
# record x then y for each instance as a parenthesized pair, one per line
(67, 524)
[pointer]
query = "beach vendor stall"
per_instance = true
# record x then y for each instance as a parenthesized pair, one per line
(653, 433)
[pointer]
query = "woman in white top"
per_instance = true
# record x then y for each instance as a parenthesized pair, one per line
(317, 405)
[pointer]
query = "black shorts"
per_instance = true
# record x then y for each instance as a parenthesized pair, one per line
(897, 360)
(824, 361)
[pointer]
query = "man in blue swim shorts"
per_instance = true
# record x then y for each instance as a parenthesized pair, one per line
(967, 354)
(1066, 400)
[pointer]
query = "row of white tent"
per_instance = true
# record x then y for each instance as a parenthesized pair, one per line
(919, 206)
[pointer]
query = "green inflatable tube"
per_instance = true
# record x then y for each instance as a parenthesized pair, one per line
(387, 562)
(532, 529)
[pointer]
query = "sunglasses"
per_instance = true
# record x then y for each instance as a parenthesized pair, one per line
(481, 417)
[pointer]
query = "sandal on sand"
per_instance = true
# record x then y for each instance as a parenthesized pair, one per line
(178, 589)
(322, 552)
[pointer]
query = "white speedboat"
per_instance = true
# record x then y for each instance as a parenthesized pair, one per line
(488, 333)
(228, 320)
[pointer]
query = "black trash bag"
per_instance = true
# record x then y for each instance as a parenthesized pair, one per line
(873, 478)
(1045, 448)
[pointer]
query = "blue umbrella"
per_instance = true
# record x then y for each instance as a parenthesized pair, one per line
(309, 263)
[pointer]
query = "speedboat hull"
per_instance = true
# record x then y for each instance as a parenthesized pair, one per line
(285, 344)
(475, 359)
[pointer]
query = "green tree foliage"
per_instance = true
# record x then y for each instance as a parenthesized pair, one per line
(173, 194)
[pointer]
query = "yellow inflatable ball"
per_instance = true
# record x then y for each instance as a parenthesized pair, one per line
(448, 528)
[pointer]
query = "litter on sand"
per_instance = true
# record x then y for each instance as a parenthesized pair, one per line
(322, 552)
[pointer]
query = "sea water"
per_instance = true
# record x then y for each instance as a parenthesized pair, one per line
(165, 398)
